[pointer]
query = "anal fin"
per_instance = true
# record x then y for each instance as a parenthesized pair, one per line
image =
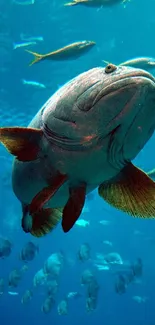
(132, 192)
(42, 222)
(21, 142)
(73, 207)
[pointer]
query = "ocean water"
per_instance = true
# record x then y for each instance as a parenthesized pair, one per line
(121, 32)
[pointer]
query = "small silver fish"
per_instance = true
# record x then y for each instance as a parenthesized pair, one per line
(33, 83)
(140, 63)
(140, 299)
(18, 45)
(145, 63)
(107, 242)
(31, 38)
(13, 293)
(25, 3)
(82, 223)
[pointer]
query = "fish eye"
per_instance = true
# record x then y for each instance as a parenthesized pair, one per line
(110, 68)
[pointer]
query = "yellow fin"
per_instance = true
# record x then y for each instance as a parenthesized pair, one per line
(37, 57)
(45, 221)
(106, 62)
(133, 192)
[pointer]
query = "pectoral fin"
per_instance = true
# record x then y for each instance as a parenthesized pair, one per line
(132, 192)
(21, 142)
(73, 207)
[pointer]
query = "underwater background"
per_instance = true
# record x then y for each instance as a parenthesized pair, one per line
(121, 32)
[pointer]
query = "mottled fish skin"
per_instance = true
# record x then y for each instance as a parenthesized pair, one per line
(92, 127)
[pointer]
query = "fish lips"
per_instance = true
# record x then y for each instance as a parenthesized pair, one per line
(126, 80)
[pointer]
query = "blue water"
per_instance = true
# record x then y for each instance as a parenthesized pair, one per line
(120, 34)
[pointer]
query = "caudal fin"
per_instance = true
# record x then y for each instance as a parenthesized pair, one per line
(37, 57)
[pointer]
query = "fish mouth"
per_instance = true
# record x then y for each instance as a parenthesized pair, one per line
(91, 43)
(87, 44)
(125, 81)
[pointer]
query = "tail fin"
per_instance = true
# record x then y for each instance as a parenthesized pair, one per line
(14, 46)
(37, 57)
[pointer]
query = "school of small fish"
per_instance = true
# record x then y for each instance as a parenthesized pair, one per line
(46, 281)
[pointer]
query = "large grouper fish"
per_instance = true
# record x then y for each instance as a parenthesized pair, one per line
(84, 137)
